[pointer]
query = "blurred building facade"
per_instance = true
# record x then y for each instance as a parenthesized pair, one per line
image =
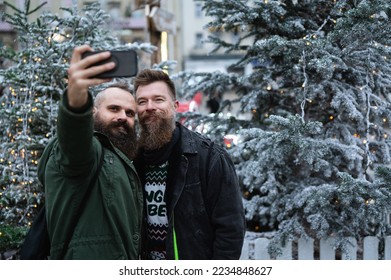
(176, 27)
(131, 21)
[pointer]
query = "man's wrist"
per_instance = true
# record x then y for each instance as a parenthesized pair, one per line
(78, 110)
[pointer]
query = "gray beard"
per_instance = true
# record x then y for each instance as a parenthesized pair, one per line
(155, 135)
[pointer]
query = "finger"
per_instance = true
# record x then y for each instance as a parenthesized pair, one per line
(94, 58)
(96, 70)
(82, 70)
(77, 52)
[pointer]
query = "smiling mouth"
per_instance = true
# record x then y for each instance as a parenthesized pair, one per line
(150, 119)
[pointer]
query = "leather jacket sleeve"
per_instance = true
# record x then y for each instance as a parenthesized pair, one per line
(226, 211)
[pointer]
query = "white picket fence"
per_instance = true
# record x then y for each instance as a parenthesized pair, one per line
(367, 249)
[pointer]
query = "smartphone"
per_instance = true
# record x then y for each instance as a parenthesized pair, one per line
(126, 64)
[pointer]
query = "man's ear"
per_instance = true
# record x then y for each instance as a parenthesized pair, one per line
(94, 110)
(176, 104)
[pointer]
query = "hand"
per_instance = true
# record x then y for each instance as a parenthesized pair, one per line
(79, 75)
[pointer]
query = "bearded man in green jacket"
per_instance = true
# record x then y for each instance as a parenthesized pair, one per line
(110, 224)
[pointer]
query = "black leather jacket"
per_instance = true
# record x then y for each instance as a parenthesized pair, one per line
(204, 201)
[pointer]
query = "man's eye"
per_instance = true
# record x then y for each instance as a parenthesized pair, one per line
(130, 113)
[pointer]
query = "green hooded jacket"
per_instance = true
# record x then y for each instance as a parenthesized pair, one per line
(110, 226)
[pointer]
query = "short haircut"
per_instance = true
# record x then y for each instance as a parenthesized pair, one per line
(114, 84)
(118, 84)
(149, 76)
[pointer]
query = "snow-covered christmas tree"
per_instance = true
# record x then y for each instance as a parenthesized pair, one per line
(313, 158)
(32, 88)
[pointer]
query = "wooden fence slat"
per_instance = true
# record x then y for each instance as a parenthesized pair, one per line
(260, 249)
(326, 251)
(305, 249)
(245, 255)
(387, 248)
(370, 248)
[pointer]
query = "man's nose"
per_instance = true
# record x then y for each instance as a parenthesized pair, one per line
(150, 105)
(121, 115)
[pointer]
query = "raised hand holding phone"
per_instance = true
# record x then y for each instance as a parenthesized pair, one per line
(125, 64)
(81, 75)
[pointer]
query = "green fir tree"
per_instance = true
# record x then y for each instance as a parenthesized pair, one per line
(318, 92)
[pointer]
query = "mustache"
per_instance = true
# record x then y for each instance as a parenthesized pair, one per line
(154, 114)
(123, 124)
(158, 115)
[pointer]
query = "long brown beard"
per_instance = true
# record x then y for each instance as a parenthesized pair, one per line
(156, 134)
(125, 141)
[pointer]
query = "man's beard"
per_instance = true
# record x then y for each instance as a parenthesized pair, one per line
(156, 134)
(125, 140)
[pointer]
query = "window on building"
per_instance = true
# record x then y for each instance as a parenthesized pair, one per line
(198, 42)
(198, 10)
(114, 9)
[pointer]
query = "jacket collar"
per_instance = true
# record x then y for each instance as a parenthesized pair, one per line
(188, 144)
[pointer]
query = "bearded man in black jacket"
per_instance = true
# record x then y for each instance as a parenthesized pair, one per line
(193, 203)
